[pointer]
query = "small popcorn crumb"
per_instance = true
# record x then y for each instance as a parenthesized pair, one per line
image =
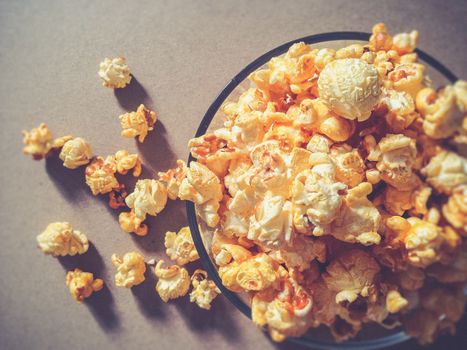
(131, 269)
(59, 239)
(82, 284)
(114, 73)
(75, 153)
(174, 281)
(138, 123)
(204, 290)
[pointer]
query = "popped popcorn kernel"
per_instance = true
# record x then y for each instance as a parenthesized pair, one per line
(408, 77)
(455, 210)
(75, 153)
(100, 175)
(114, 73)
(173, 281)
(82, 284)
(138, 123)
(180, 247)
(126, 161)
(405, 43)
(204, 290)
(39, 142)
(130, 269)
(395, 302)
(130, 223)
(380, 38)
(173, 178)
(60, 239)
(148, 198)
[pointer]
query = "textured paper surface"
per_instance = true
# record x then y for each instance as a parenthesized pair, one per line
(181, 55)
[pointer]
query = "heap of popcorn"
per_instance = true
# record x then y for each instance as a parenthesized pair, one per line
(336, 192)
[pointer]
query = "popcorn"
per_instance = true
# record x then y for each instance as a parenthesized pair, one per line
(455, 210)
(173, 281)
(148, 198)
(39, 142)
(100, 175)
(59, 239)
(350, 168)
(200, 185)
(138, 123)
(173, 178)
(453, 272)
(356, 93)
(380, 38)
(204, 290)
(130, 269)
(129, 223)
(114, 73)
(82, 284)
(126, 161)
(395, 302)
(180, 247)
(75, 153)
(408, 77)
(351, 275)
(405, 43)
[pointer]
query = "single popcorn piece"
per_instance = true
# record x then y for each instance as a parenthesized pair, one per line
(114, 73)
(446, 171)
(59, 239)
(138, 123)
(174, 281)
(126, 161)
(351, 274)
(204, 290)
(148, 198)
(405, 43)
(39, 142)
(75, 153)
(82, 284)
(130, 223)
(100, 175)
(350, 167)
(173, 178)
(408, 77)
(395, 302)
(356, 92)
(455, 210)
(131, 269)
(180, 247)
(380, 40)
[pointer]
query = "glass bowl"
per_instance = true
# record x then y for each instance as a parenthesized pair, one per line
(371, 336)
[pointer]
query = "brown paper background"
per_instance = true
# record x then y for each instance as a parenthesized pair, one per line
(181, 54)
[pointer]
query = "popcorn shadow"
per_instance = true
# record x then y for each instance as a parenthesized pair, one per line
(101, 304)
(132, 95)
(70, 182)
(217, 319)
(149, 302)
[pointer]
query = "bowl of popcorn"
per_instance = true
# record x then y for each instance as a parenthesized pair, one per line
(326, 191)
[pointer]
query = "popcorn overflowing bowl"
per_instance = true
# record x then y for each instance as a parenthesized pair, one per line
(277, 260)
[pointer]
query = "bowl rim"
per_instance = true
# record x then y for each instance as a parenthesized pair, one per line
(190, 208)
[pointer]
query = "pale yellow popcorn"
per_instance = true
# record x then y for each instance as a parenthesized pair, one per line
(138, 123)
(401, 110)
(82, 284)
(351, 274)
(350, 168)
(180, 247)
(114, 73)
(148, 198)
(359, 219)
(319, 143)
(173, 178)
(455, 210)
(174, 281)
(408, 77)
(129, 223)
(208, 212)
(396, 158)
(39, 141)
(100, 175)
(59, 239)
(300, 254)
(126, 161)
(395, 302)
(319, 196)
(380, 40)
(356, 92)
(204, 290)
(397, 202)
(446, 171)
(384, 62)
(248, 130)
(405, 43)
(200, 185)
(75, 153)
(351, 51)
(322, 57)
(130, 269)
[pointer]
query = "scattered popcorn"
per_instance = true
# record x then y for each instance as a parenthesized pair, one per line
(130, 223)
(204, 290)
(131, 269)
(173, 178)
(100, 175)
(138, 123)
(82, 284)
(114, 73)
(180, 247)
(75, 153)
(39, 142)
(126, 161)
(174, 281)
(59, 239)
(148, 198)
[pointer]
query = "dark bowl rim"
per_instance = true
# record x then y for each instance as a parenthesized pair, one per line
(190, 208)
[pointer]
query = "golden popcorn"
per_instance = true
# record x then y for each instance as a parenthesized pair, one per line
(380, 38)
(173, 281)
(355, 93)
(408, 77)
(100, 175)
(126, 161)
(75, 153)
(129, 223)
(59, 239)
(173, 178)
(395, 302)
(39, 142)
(82, 284)
(138, 123)
(350, 168)
(405, 43)
(455, 210)
(130, 269)
(148, 198)
(200, 185)
(180, 247)
(114, 73)
(204, 290)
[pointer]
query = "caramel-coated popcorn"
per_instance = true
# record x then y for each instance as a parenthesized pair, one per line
(173, 281)
(138, 123)
(180, 247)
(114, 73)
(130, 269)
(59, 239)
(82, 284)
(75, 153)
(204, 290)
(130, 223)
